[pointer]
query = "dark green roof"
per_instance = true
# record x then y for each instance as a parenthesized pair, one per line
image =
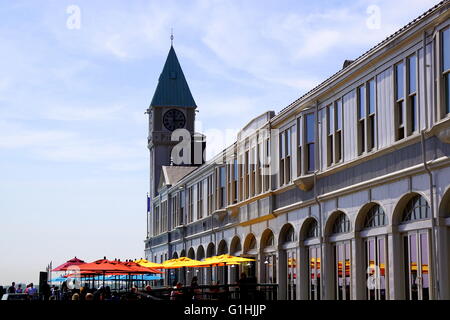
(172, 89)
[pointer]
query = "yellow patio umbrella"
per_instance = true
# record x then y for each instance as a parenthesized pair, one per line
(222, 260)
(148, 264)
(180, 263)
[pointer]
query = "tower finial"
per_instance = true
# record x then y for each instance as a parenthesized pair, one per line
(171, 36)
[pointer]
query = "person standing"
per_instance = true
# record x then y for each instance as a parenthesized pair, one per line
(32, 291)
(19, 289)
(12, 288)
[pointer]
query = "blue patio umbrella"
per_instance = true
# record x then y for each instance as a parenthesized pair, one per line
(59, 279)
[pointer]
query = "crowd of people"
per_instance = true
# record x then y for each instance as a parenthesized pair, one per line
(246, 286)
(84, 293)
(30, 291)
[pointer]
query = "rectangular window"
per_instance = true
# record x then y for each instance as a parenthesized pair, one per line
(338, 133)
(182, 206)
(282, 152)
(266, 161)
(288, 157)
(200, 200)
(210, 192)
(299, 147)
(399, 97)
(371, 125)
(247, 175)
(222, 193)
(334, 129)
(361, 120)
(235, 180)
(241, 178)
(412, 96)
(190, 205)
(285, 156)
(310, 142)
(330, 137)
(252, 172)
(446, 68)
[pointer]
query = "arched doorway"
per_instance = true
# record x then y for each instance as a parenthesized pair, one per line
(201, 272)
(309, 235)
(190, 272)
(173, 275)
(338, 231)
(222, 272)
(210, 274)
(288, 261)
(269, 257)
(371, 224)
(235, 250)
(412, 215)
(250, 251)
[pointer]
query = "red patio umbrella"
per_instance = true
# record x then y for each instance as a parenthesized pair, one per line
(72, 262)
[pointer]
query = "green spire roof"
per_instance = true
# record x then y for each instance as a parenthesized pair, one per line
(172, 89)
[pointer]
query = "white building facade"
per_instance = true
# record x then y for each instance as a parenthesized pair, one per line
(344, 194)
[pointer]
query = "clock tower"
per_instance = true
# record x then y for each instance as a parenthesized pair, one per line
(172, 107)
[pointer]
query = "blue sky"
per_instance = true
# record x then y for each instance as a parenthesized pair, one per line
(73, 157)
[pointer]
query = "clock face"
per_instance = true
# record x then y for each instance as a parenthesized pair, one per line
(174, 119)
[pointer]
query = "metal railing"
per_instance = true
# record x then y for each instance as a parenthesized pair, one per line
(250, 292)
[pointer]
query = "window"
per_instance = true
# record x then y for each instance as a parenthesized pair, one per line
(400, 100)
(299, 147)
(285, 156)
(310, 142)
(200, 200)
(334, 132)
(156, 221)
(210, 192)
(313, 229)
(412, 94)
(416, 209)
(366, 117)
(235, 181)
(446, 68)
(222, 183)
(241, 178)
(182, 206)
(258, 179)
(270, 241)
(267, 166)
(375, 217)
(341, 224)
(252, 172)
(164, 216)
(247, 175)
(371, 126)
(361, 119)
(190, 205)
(290, 235)
(406, 112)
(375, 267)
(342, 270)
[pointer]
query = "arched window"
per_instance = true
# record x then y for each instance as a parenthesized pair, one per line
(252, 244)
(313, 229)
(375, 217)
(416, 209)
(290, 235)
(341, 224)
(270, 240)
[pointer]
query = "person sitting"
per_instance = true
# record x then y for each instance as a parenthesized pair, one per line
(177, 293)
(76, 297)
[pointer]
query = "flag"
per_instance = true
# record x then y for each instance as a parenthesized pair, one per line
(148, 203)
